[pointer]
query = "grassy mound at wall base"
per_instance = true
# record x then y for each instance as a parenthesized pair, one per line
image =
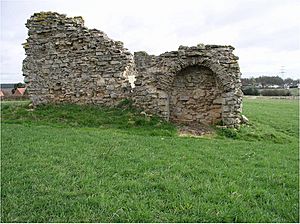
(69, 115)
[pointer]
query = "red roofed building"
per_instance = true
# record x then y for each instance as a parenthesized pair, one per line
(19, 91)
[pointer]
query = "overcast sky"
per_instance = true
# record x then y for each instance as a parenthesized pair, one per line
(265, 33)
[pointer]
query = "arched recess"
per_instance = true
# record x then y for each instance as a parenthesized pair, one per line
(195, 96)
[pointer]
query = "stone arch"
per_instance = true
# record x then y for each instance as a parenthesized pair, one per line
(220, 103)
(195, 96)
(213, 65)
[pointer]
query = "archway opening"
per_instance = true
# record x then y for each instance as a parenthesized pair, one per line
(195, 96)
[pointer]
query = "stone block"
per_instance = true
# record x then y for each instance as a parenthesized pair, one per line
(162, 95)
(110, 87)
(115, 62)
(184, 98)
(218, 101)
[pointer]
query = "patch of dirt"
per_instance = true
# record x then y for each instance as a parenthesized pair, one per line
(195, 130)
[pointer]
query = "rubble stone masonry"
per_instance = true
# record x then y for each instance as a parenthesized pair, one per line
(67, 62)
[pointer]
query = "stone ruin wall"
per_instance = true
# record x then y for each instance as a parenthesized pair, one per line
(67, 62)
(194, 84)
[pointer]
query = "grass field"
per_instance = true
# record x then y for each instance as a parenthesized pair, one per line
(87, 164)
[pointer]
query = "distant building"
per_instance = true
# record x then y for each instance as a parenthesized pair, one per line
(19, 92)
(6, 89)
(6, 92)
(259, 85)
(274, 86)
(1, 93)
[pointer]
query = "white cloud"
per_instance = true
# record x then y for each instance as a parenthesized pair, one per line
(265, 33)
(12, 56)
(268, 62)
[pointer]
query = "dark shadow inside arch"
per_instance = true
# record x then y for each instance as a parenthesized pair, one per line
(195, 96)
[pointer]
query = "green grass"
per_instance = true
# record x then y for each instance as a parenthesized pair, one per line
(271, 120)
(87, 164)
(123, 118)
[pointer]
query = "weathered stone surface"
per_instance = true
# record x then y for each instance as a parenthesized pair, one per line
(63, 49)
(67, 62)
(202, 88)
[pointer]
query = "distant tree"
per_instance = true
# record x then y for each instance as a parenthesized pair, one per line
(296, 82)
(246, 81)
(253, 81)
(265, 81)
(269, 80)
(288, 81)
(250, 91)
(276, 80)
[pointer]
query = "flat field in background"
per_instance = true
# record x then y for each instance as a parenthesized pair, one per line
(87, 164)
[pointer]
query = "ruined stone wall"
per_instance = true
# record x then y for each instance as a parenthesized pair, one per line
(205, 81)
(67, 62)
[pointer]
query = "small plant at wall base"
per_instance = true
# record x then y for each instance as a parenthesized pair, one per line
(126, 104)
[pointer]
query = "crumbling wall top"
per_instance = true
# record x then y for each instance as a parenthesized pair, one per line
(67, 62)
